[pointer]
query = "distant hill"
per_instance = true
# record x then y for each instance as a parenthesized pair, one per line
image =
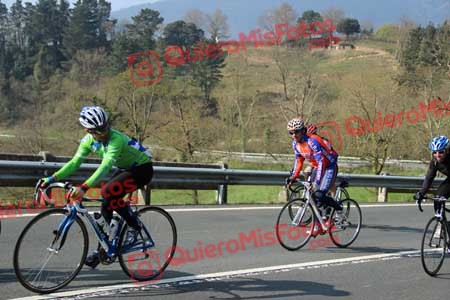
(243, 14)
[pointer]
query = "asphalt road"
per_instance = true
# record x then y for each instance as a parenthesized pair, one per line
(383, 263)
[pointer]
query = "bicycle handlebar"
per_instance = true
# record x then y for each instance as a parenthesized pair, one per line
(435, 198)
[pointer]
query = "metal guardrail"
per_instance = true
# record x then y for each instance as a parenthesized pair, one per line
(25, 174)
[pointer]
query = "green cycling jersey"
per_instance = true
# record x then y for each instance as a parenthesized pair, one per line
(119, 150)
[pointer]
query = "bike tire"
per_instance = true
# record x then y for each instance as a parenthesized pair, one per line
(25, 250)
(303, 228)
(428, 250)
(159, 255)
(352, 224)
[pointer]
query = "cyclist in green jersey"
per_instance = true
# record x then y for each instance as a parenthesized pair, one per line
(134, 163)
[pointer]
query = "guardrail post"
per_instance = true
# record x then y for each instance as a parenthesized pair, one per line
(383, 191)
(222, 190)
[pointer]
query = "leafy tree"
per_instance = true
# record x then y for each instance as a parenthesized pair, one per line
(348, 26)
(86, 27)
(309, 17)
(388, 32)
(180, 33)
(142, 31)
(207, 74)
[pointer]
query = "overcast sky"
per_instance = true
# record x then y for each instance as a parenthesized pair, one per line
(116, 4)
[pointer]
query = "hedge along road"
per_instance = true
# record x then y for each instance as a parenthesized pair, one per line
(388, 229)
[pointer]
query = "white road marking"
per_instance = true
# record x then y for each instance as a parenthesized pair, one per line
(4, 214)
(202, 278)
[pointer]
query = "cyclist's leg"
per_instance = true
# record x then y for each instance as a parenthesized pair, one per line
(328, 178)
(123, 183)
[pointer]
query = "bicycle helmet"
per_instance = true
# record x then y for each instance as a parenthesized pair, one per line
(439, 143)
(93, 117)
(311, 129)
(295, 124)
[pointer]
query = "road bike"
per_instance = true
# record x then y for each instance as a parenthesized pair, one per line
(52, 248)
(297, 190)
(436, 238)
(300, 219)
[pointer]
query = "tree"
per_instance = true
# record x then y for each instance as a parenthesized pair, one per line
(283, 14)
(334, 13)
(207, 74)
(367, 27)
(185, 36)
(371, 140)
(310, 16)
(198, 18)
(86, 27)
(142, 31)
(217, 25)
(348, 26)
(182, 34)
(388, 32)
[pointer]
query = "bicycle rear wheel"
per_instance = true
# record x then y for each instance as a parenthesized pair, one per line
(434, 246)
(294, 232)
(345, 227)
(146, 260)
(45, 261)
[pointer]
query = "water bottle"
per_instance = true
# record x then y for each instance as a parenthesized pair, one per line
(114, 227)
(102, 224)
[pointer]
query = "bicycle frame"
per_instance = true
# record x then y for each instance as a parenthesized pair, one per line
(109, 247)
(309, 200)
(442, 216)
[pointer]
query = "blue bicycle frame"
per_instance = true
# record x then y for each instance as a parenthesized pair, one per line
(109, 247)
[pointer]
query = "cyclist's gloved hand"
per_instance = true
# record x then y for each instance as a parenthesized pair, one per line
(289, 180)
(46, 181)
(419, 196)
(76, 192)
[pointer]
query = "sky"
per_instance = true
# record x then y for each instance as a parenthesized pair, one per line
(115, 4)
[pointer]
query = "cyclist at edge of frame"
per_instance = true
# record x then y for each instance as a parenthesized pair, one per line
(321, 157)
(440, 161)
(116, 149)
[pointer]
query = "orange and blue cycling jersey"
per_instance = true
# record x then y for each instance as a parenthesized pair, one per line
(317, 152)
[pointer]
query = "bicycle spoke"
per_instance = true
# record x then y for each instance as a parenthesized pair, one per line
(346, 225)
(39, 263)
(295, 224)
(152, 254)
(434, 246)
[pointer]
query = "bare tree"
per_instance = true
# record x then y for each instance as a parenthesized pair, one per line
(283, 14)
(300, 88)
(334, 13)
(198, 18)
(217, 25)
(242, 106)
(372, 139)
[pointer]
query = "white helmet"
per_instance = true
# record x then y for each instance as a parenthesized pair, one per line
(93, 117)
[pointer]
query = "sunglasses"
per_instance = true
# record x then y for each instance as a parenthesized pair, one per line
(95, 131)
(440, 152)
(291, 132)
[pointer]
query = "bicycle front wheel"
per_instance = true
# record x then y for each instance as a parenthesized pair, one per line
(434, 246)
(346, 225)
(294, 232)
(147, 259)
(44, 260)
